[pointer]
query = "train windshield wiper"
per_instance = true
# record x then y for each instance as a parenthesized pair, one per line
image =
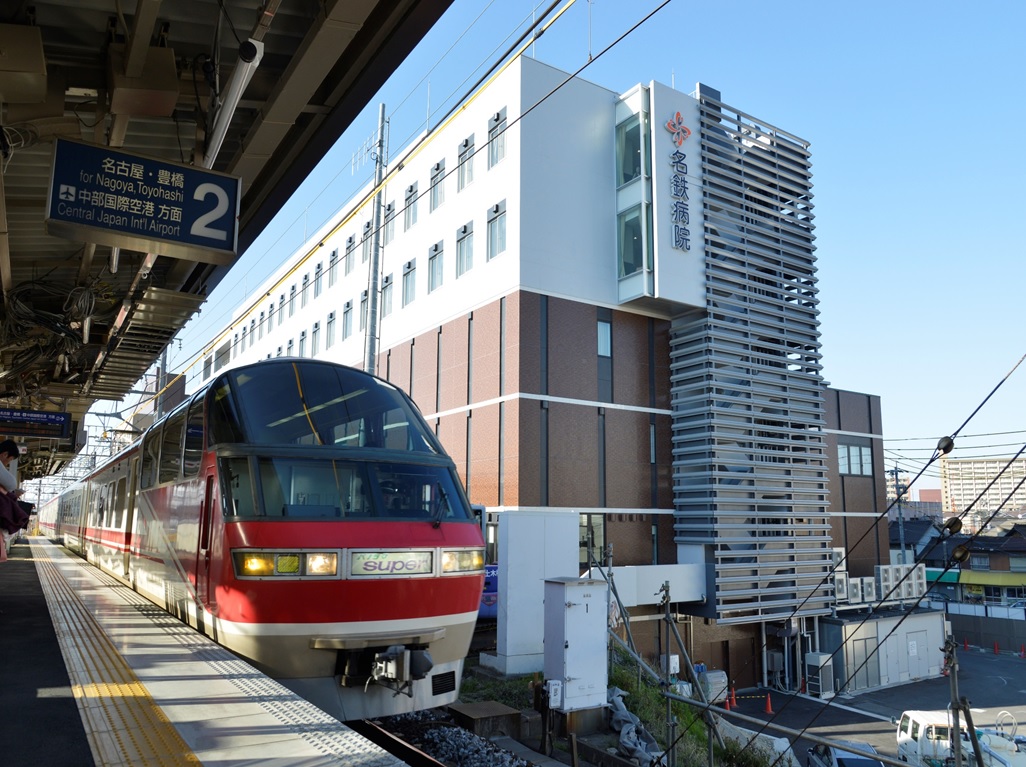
(441, 504)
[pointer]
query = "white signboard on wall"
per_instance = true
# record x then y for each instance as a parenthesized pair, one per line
(677, 218)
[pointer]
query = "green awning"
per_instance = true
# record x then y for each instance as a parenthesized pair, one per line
(939, 575)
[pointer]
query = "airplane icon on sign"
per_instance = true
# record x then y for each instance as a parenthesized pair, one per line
(67, 193)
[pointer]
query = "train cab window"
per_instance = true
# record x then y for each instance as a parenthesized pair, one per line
(171, 448)
(418, 492)
(193, 440)
(237, 493)
(310, 488)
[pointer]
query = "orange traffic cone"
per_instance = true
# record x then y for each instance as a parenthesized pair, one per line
(769, 705)
(965, 645)
(733, 698)
(726, 703)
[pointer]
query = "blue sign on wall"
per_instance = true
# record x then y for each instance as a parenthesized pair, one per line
(34, 423)
(99, 194)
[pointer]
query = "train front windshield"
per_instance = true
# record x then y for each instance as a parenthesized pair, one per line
(309, 403)
(317, 406)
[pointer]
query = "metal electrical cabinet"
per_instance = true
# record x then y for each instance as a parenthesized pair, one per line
(575, 641)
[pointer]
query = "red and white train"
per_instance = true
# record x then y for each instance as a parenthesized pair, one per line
(303, 515)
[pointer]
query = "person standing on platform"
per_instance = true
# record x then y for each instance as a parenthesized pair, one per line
(13, 518)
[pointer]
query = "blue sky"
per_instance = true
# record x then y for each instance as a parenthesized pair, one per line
(915, 113)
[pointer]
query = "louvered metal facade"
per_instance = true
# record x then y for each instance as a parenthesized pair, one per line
(750, 491)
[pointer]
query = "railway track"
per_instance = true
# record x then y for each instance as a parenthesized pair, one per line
(393, 744)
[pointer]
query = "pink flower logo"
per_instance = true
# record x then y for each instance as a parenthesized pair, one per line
(679, 130)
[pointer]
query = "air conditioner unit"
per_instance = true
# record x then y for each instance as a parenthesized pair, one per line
(839, 560)
(855, 591)
(868, 589)
(841, 586)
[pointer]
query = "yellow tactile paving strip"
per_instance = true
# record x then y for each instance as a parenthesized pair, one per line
(124, 725)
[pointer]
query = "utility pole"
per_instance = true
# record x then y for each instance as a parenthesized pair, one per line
(901, 515)
(370, 360)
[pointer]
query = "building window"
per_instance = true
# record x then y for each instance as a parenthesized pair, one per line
(333, 268)
(302, 344)
(435, 266)
(270, 317)
(979, 561)
(437, 185)
(347, 320)
(496, 230)
(329, 331)
(306, 291)
(350, 250)
(605, 338)
(630, 244)
(292, 301)
(289, 348)
(389, 234)
(497, 138)
(466, 168)
(409, 282)
(281, 309)
(464, 249)
(318, 279)
(854, 458)
(315, 335)
(368, 239)
(410, 213)
(242, 346)
(386, 296)
(260, 331)
(208, 366)
(363, 311)
(628, 150)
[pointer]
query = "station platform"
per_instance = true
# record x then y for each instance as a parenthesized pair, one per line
(93, 674)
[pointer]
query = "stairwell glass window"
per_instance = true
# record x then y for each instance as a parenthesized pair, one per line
(435, 255)
(464, 249)
(437, 185)
(496, 230)
(465, 175)
(389, 233)
(855, 457)
(628, 150)
(409, 282)
(386, 296)
(347, 320)
(630, 242)
(497, 138)
(410, 212)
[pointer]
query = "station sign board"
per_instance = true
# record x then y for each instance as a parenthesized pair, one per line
(34, 423)
(109, 197)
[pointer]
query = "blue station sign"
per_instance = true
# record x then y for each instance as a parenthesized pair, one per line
(34, 423)
(102, 195)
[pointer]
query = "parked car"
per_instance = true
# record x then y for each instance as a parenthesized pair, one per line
(838, 755)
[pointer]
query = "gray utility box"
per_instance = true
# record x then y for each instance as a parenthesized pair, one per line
(575, 642)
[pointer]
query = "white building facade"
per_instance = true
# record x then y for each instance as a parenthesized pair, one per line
(606, 304)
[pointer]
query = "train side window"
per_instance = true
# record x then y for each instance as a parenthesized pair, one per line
(120, 498)
(171, 448)
(150, 456)
(193, 440)
(225, 422)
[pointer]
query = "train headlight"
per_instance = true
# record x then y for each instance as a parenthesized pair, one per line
(289, 564)
(462, 560)
(322, 563)
(254, 563)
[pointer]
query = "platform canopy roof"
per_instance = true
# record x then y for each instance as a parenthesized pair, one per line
(88, 309)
